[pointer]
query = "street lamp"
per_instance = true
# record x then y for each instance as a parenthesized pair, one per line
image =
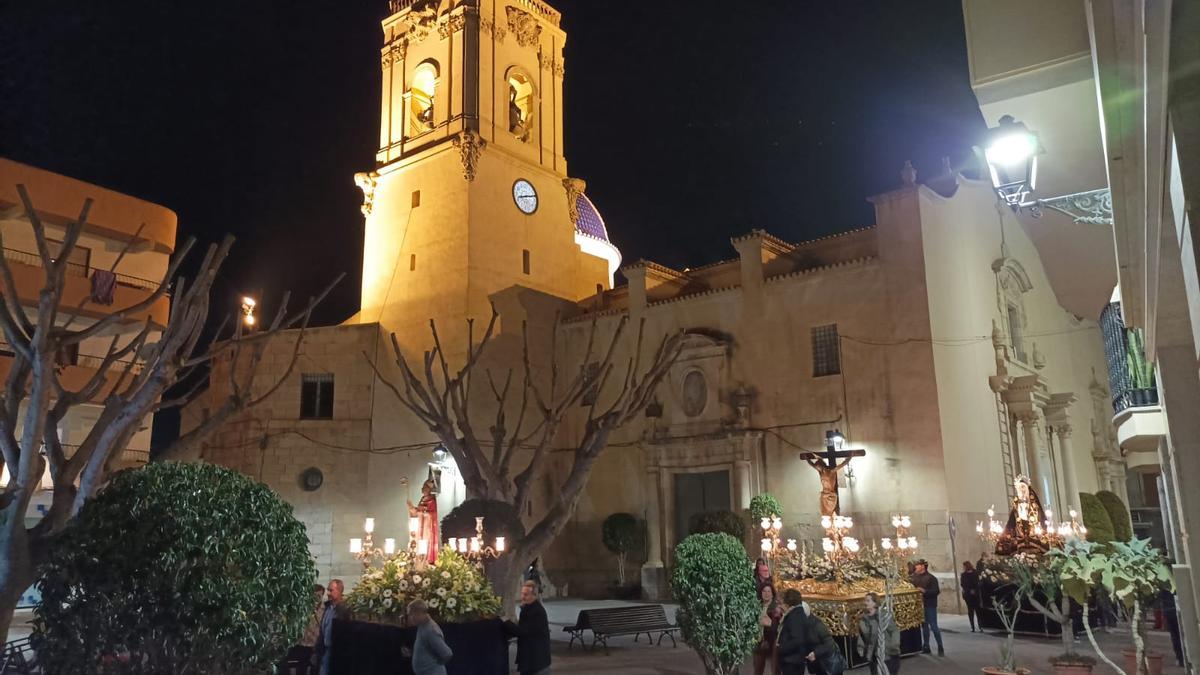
(834, 439)
(1011, 152)
(248, 305)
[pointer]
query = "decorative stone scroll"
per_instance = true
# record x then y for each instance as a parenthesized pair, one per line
(367, 183)
(524, 26)
(574, 187)
(491, 28)
(452, 25)
(470, 144)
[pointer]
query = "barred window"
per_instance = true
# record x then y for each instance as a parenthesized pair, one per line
(826, 352)
(316, 396)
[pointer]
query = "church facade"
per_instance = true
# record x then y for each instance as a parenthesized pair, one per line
(932, 340)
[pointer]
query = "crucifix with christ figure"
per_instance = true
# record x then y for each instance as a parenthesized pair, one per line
(827, 465)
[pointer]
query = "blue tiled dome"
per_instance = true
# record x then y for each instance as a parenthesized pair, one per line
(590, 222)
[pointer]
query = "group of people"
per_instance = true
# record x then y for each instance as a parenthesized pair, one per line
(796, 641)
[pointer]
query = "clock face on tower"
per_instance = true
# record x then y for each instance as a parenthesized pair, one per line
(524, 196)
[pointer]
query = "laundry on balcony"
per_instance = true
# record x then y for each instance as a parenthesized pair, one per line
(104, 286)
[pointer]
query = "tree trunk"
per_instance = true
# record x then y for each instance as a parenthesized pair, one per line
(506, 574)
(1139, 641)
(1087, 628)
(17, 571)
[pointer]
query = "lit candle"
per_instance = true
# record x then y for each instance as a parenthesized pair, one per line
(389, 546)
(422, 547)
(777, 523)
(766, 545)
(369, 526)
(765, 523)
(912, 542)
(414, 525)
(906, 521)
(462, 544)
(356, 545)
(887, 543)
(474, 544)
(500, 544)
(791, 545)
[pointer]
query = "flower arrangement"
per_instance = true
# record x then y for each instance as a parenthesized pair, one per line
(454, 589)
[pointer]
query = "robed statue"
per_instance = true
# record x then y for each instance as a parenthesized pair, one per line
(426, 513)
(1024, 531)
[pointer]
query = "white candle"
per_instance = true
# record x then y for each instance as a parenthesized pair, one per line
(369, 526)
(462, 544)
(474, 544)
(389, 546)
(414, 526)
(356, 545)
(422, 547)
(500, 544)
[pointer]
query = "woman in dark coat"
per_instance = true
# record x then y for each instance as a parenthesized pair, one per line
(805, 642)
(969, 583)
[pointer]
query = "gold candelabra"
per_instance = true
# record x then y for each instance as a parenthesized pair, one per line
(474, 549)
(364, 547)
(904, 543)
(837, 543)
(772, 546)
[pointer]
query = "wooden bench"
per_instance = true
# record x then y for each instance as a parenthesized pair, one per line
(19, 658)
(606, 622)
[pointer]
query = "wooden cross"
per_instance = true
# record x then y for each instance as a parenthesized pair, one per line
(827, 465)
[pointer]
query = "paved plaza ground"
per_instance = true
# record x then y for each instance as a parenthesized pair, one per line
(965, 652)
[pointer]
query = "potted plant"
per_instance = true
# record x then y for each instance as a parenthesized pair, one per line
(1141, 372)
(1039, 579)
(1133, 573)
(622, 533)
(718, 607)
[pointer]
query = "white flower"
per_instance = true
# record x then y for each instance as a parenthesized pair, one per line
(387, 592)
(424, 583)
(452, 602)
(445, 575)
(433, 602)
(416, 578)
(441, 592)
(387, 602)
(403, 584)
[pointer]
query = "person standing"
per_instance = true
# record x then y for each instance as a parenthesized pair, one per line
(772, 612)
(928, 584)
(430, 653)
(762, 575)
(334, 609)
(969, 583)
(879, 637)
(805, 642)
(532, 632)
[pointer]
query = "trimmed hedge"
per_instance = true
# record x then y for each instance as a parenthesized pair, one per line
(1096, 519)
(726, 522)
(765, 505)
(1117, 513)
(718, 607)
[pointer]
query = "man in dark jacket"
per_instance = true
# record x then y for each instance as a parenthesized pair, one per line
(928, 584)
(804, 641)
(532, 631)
(334, 609)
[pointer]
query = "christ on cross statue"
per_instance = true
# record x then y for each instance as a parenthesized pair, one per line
(828, 465)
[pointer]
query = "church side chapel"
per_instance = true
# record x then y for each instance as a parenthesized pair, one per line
(887, 385)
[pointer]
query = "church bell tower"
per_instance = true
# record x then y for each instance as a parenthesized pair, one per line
(470, 194)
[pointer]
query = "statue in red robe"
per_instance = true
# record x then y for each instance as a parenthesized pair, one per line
(426, 513)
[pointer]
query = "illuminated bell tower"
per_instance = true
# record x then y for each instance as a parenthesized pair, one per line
(471, 194)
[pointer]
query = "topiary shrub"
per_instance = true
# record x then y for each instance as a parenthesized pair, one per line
(718, 610)
(765, 505)
(500, 519)
(1122, 524)
(727, 522)
(1095, 519)
(621, 533)
(175, 568)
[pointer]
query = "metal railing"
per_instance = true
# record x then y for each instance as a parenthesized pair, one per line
(80, 270)
(1130, 376)
(82, 360)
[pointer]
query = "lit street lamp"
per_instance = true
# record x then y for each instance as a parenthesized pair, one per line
(1011, 152)
(248, 305)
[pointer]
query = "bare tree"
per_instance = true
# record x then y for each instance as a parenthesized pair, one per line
(137, 369)
(502, 464)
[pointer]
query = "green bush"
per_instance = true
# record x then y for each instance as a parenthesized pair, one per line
(1095, 519)
(718, 611)
(500, 519)
(727, 522)
(621, 533)
(1117, 513)
(764, 506)
(175, 568)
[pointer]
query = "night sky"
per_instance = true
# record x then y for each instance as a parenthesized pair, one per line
(691, 122)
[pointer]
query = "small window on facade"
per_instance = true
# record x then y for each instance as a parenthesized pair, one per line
(412, 263)
(416, 198)
(525, 261)
(316, 396)
(826, 352)
(1016, 332)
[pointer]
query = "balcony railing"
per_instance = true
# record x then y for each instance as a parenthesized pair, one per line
(78, 269)
(1130, 376)
(72, 358)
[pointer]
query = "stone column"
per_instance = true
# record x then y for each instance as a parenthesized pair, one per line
(653, 573)
(741, 485)
(1033, 456)
(1070, 482)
